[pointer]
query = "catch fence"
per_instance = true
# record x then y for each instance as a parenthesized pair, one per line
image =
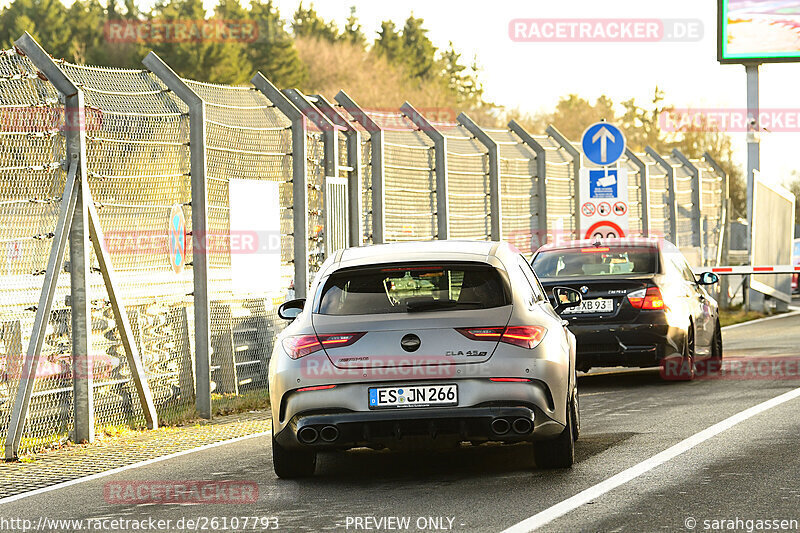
(217, 203)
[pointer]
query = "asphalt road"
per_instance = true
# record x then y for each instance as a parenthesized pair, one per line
(748, 472)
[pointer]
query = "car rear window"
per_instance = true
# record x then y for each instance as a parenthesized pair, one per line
(412, 288)
(595, 261)
(796, 251)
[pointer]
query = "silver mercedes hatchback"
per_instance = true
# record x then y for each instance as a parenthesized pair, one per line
(432, 343)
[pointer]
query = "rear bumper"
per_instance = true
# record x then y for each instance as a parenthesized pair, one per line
(389, 427)
(636, 345)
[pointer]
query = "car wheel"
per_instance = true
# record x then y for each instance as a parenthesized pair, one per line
(290, 464)
(560, 451)
(686, 370)
(716, 344)
(576, 416)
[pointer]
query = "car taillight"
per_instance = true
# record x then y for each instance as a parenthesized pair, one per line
(524, 336)
(302, 345)
(649, 298)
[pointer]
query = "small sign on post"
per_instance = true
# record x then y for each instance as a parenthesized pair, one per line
(603, 191)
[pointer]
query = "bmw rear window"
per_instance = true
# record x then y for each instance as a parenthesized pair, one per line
(595, 261)
(413, 288)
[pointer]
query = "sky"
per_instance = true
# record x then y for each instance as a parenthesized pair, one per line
(532, 76)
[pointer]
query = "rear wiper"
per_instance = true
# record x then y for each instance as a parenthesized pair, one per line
(431, 305)
(414, 305)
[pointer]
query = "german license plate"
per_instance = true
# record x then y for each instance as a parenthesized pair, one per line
(598, 305)
(413, 396)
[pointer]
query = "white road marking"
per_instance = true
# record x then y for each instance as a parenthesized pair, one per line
(548, 515)
(100, 475)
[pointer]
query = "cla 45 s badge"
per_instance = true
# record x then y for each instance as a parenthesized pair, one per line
(468, 353)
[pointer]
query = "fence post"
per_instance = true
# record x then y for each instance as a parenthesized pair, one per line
(643, 186)
(541, 175)
(697, 198)
(376, 164)
(576, 172)
(440, 155)
(495, 203)
(723, 243)
(673, 206)
(197, 159)
(299, 180)
(353, 172)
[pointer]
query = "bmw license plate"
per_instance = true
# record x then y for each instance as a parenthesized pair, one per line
(413, 396)
(598, 305)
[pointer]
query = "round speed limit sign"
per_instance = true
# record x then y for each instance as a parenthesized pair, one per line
(604, 229)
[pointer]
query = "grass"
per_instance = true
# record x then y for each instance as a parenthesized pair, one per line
(736, 315)
(182, 416)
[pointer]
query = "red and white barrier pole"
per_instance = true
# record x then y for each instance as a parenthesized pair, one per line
(750, 269)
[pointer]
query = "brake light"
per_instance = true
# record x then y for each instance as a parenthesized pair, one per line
(302, 345)
(594, 250)
(510, 380)
(523, 336)
(649, 299)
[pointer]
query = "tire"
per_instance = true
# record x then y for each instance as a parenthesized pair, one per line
(576, 416)
(291, 464)
(560, 451)
(716, 344)
(687, 369)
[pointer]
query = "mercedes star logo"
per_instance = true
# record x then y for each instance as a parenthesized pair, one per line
(410, 342)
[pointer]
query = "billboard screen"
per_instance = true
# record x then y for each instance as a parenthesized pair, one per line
(755, 31)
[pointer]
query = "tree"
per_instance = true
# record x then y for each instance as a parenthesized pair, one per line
(418, 52)
(389, 43)
(352, 30)
(228, 59)
(46, 20)
(274, 53)
(307, 23)
(574, 114)
(461, 81)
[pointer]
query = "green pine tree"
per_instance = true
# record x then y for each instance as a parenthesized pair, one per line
(352, 30)
(419, 54)
(46, 20)
(274, 53)
(308, 23)
(388, 43)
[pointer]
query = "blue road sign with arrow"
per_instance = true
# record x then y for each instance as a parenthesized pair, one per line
(603, 143)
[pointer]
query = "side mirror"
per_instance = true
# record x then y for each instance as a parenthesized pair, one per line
(289, 310)
(707, 278)
(566, 297)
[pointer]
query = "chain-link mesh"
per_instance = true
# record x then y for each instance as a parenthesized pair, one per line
(711, 208)
(140, 136)
(635, 227)
(467, 184)
(683, 199)
(560, 190)
(409, 181)
(658, 196)
(247, 139)
(32, 145)
(519, 196)
(138, 167)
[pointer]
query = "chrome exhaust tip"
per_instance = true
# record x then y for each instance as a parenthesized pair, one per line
(329, 433)
(523, 426)
(500, 426)
(307, 435)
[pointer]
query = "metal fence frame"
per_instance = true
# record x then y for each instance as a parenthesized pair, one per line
(344, 127)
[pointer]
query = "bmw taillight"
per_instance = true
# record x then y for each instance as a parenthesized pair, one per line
(301, 345)
(523, 336)
(649, 299)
